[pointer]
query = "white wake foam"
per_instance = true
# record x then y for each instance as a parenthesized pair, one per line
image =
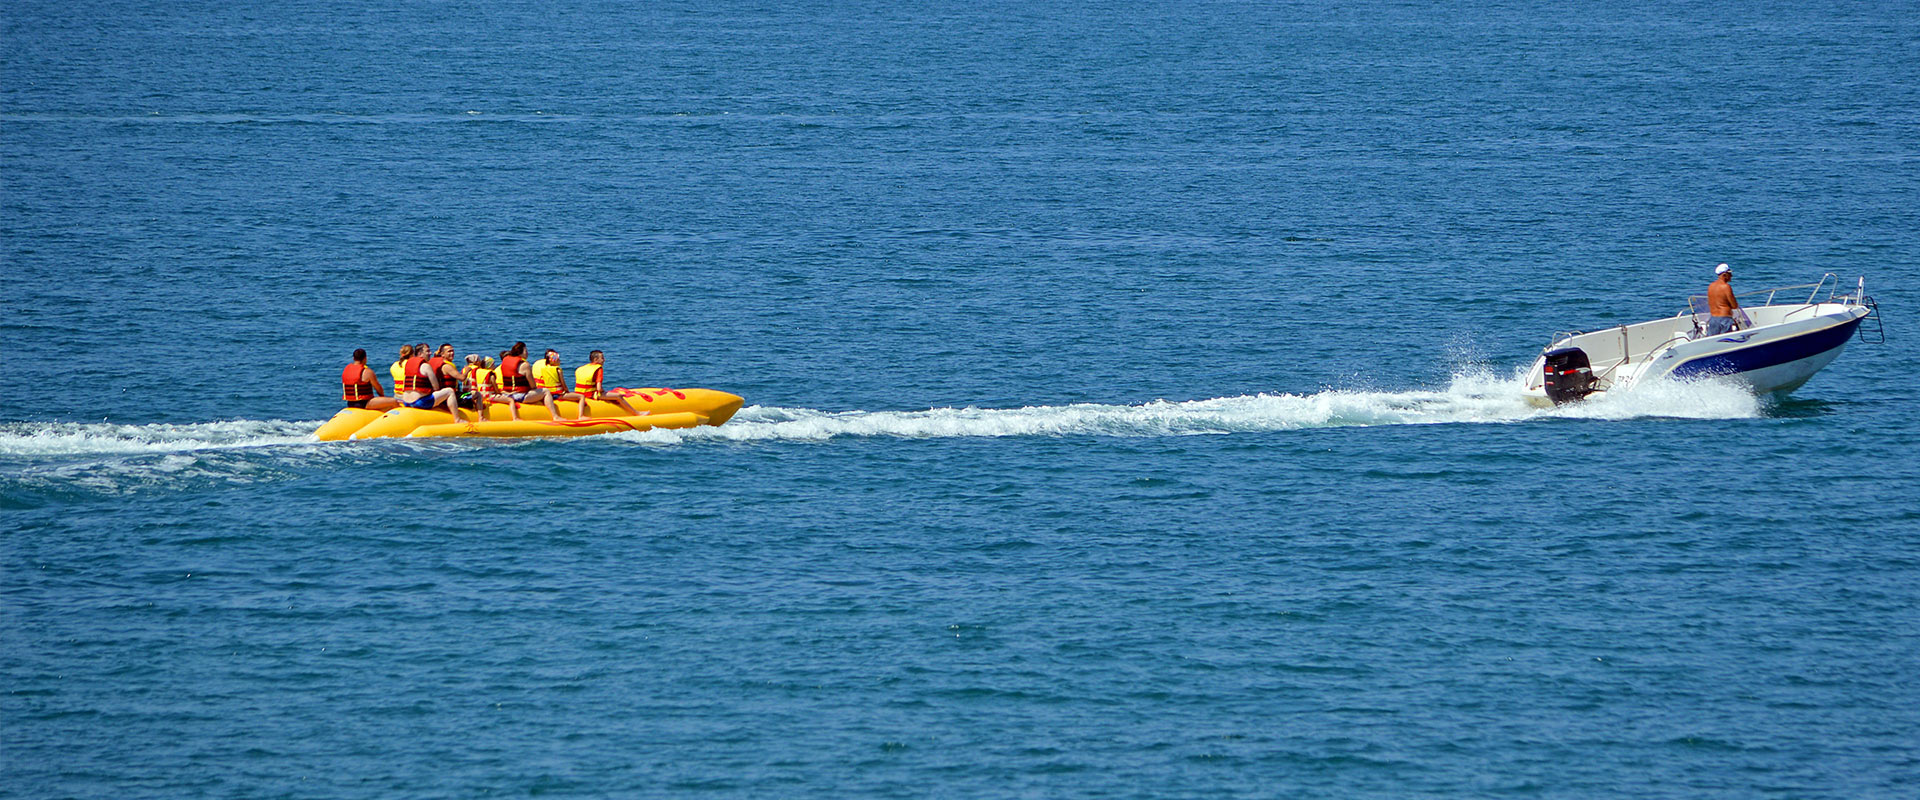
(1704, 399)
(1479, 398)
(31, 439)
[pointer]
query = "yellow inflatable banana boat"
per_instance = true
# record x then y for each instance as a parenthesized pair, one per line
(661, 408)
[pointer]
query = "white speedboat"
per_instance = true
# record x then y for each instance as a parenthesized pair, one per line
(1780, 343)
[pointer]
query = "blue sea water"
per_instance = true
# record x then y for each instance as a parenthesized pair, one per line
(1132, 404)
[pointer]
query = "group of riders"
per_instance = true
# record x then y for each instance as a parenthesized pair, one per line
(428, 379)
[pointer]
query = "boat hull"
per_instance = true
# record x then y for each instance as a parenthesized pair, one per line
(1766, 364)
(1771, 359)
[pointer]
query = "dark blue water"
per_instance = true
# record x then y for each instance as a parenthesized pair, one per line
(1131, 401)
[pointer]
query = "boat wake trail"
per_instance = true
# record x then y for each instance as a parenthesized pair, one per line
(42, 462)
(1479, 398)
(45, 462)
(38, 439)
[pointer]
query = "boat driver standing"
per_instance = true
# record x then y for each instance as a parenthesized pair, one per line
(1721, 304)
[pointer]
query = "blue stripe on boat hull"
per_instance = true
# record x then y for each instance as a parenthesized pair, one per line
(1761, 356)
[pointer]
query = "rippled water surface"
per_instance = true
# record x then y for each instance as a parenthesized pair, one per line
(1131, 390)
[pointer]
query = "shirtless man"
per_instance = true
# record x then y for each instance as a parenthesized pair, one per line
(1721, 304)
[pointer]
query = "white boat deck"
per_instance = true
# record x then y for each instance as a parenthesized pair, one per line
(1625, 354)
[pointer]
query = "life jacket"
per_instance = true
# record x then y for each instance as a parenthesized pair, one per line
(435, 365)
(547, 376)
(586, 379)
(484, 380)
(510, 374)
(414, 381)
(458, 381)
(354, 384)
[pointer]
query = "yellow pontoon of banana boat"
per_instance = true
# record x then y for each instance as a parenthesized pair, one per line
(660, 408)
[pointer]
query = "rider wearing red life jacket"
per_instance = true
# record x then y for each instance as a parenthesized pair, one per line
(360, 386)
(516, 377)
(421, 392)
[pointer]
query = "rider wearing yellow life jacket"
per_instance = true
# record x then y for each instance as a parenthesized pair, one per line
(586, 377)
(479, 376)
(550, 386)
(589, 381)
(470, 393)
(546, 374)
(399, 371)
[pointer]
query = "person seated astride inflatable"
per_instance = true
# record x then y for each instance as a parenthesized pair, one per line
(478, 384)
(399, 370)
(423, 389)
(516, 377)
(551, 385)
(589, 383)
(445, 370)
(468, 397)
(360, 388)
(483, 383)
(421, 350)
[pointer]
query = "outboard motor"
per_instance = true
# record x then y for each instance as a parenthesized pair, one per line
(1569, 375)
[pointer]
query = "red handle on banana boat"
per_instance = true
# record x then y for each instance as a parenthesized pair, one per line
(625, 392)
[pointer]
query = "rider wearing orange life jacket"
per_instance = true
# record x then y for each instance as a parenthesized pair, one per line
(360, 387)
(516, 377)
(423, 388)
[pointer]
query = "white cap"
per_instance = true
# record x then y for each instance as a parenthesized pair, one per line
(1722, 269)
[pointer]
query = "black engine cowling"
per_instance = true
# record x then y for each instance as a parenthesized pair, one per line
(1569, 375)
